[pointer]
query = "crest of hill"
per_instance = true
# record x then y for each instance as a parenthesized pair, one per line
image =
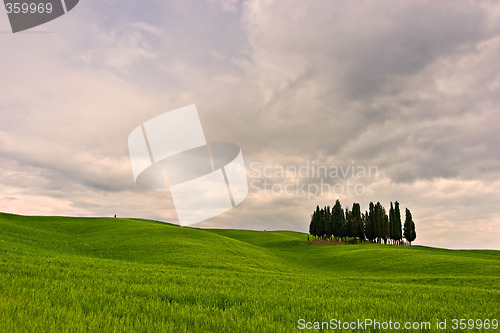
(158, 243)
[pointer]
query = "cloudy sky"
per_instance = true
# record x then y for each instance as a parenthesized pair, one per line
(411, 88)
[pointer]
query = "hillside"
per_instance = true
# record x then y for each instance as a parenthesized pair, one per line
(104, 274)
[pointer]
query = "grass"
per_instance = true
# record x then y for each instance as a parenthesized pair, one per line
(60, 274)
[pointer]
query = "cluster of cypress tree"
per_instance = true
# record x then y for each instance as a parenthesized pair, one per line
(374, 225)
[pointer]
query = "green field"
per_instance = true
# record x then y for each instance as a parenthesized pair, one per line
(62, 274)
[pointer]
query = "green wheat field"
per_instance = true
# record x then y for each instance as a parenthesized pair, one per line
(66, 274)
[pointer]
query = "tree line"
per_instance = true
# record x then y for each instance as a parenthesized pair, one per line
(373, 225)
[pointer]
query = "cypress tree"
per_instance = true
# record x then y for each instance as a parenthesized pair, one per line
(385, 226)
(338, 220)
(379, 221)
(349, 224)
(343, 230)
(392, 228)
(364, 217)
(321, 223)
(413, 235)
(319, 227)
(397, 226)
(327, 221)
(409, 227)
(370, 223)
(313, 226)
(358, 222)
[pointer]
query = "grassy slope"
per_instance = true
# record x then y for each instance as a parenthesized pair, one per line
(104, 274)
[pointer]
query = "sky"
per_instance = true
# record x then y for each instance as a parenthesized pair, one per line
(409, 90)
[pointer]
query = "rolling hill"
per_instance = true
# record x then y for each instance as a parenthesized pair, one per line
(107, 274)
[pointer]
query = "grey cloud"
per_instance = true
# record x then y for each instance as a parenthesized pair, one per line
(411, 87)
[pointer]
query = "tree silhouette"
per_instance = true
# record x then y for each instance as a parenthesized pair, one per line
(327, 222)
(374, 225)
(370, 223)
(359, 231)
(338, 220)
(349, 223)
(397, 225)
(409, 227)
